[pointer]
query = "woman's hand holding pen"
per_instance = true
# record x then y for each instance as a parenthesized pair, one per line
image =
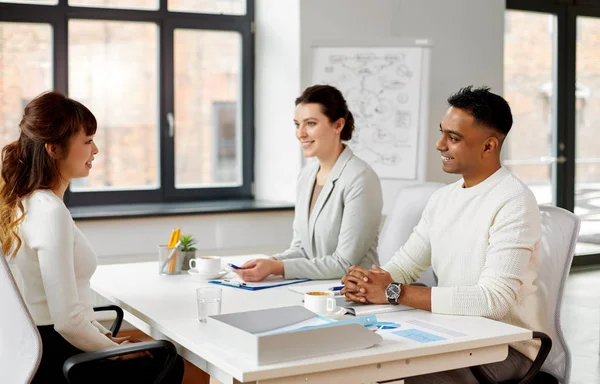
(259, 269)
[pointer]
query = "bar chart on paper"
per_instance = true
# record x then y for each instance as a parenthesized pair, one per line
(418, 335)
(425, 332)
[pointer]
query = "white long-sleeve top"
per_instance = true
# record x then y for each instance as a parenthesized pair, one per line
(482, 243)
(55, 263)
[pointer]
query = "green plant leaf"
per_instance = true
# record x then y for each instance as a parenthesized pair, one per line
(187, 243)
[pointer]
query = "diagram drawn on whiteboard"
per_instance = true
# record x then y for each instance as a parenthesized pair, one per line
(382, 86)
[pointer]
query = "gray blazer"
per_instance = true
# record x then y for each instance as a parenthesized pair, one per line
(343, 227)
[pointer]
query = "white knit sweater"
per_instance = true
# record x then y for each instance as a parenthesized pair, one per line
(55, 264)
(482, 243)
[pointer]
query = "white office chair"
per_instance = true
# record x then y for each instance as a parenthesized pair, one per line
(560, 229)
(20, 343)
(399, 224)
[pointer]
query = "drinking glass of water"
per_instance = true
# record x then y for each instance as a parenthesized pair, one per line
(209, 302)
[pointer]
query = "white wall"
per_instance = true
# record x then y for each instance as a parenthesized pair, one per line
(133, 240)
(277, 84)
(467, 38)
(468, 48)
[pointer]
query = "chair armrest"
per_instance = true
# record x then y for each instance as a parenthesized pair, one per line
(82, 358)
(483, 378)
(114, 329)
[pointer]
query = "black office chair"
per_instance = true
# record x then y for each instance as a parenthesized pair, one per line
(21, 340)
(534, 375)
(74, 364)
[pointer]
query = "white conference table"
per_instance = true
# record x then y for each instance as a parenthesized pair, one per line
(164, 307)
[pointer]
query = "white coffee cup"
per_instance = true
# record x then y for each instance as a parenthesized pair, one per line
(206, 264)
(322, 302)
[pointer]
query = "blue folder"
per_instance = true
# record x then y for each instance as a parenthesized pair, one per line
(263, 285)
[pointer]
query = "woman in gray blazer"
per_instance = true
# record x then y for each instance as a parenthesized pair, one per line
(339, 200)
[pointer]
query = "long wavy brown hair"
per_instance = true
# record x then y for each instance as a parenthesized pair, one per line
(50, 118)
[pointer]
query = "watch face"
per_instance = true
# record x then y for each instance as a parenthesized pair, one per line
(393, 291)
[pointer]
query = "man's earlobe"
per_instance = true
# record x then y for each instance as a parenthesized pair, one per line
(491, 145)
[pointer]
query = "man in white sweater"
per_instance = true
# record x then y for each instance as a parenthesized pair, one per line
(480, 235)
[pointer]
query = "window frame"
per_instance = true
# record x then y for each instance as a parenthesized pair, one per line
(58, 17)
(566, 12)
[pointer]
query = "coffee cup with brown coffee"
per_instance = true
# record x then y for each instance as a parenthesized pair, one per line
(320, 302)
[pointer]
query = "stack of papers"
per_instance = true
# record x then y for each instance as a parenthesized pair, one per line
(373, 309)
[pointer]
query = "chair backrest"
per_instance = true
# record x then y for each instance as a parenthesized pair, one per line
(20, 343)
(560, 229)
(404, 216)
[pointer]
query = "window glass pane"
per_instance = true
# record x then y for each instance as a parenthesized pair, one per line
(227, 7)
(129, 4)
(207, 108)
(43, 2)
(587, 155)
(113, 70)
(529, 73)
(25, 72)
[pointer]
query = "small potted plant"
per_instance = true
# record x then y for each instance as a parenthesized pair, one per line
(188, 250)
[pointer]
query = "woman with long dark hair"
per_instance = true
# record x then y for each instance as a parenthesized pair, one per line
(53, 258)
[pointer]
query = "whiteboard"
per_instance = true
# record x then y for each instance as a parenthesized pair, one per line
(386, 91)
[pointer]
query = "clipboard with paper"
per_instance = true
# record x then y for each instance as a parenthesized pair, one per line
(269, 282)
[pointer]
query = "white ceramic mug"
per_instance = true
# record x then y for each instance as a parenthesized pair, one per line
(206, 264)
(322, 302)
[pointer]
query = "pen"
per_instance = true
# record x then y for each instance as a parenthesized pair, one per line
(234, 266)
(337, 288)
(238, 283)
(170, 257)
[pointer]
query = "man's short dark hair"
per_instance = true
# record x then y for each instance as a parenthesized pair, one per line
(486, 107)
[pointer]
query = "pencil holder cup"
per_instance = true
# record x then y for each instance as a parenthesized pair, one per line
(170, 260)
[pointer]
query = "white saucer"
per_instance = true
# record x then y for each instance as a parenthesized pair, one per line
(207, 276)
(337, 314)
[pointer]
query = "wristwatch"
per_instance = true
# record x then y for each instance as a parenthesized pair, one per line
(392, 293)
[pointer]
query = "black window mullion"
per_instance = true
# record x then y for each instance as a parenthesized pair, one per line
(167, 143)
(60, 51)
(247, 94)
(60, 60)
(560, 91)
(565, 178)
(544, 6)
